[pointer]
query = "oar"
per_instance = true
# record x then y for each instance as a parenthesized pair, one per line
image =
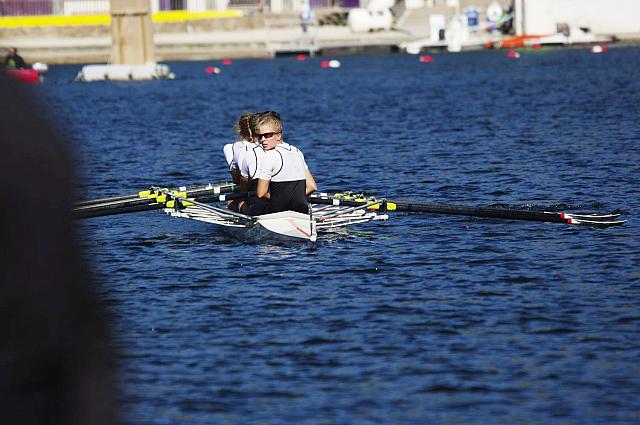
(136, 195)
(462, 210)
(148, 200)
(202, 203)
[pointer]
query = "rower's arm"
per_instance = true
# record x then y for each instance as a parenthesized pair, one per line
(235, 176)
(310, 184)
(244, 184)
(263, 189)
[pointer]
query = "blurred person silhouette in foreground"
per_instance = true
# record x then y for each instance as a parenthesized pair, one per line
(56, 365)
(13, 60)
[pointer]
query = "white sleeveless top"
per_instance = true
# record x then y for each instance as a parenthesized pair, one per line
(251, 162)
(282, 164)
(238, 151)
(228, 153)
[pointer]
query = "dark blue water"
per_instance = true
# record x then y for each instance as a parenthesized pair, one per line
(422, 319)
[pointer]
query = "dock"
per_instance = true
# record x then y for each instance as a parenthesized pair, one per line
(329, 40)
(275, 38)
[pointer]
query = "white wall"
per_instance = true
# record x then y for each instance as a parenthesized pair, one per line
(601, 16)
(71, 8)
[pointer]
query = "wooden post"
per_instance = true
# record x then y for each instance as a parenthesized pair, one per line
(131, 32)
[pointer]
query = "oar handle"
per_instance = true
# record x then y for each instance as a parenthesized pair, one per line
(134, 196)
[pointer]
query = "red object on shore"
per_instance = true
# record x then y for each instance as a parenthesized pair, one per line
(511, 42)
(227, 61)
(27, 75)
(426, 59)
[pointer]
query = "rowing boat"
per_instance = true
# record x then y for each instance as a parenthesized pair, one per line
(327, 211)
(285, 225)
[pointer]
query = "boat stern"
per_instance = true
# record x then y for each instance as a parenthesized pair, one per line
(290, 225)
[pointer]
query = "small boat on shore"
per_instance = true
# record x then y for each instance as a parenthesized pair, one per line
(26, 75)
(32, 75)
(567, 37)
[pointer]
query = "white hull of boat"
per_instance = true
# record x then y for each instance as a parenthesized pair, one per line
(286, 225)
(575, 36)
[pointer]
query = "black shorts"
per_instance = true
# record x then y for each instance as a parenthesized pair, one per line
(253, 206)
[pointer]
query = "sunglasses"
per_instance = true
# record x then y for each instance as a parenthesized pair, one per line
(266, 135)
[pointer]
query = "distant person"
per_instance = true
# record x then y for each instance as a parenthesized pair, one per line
(57, 363)
(507, 26)
(13, 60)
(306, 16)
(262, 7)
(284, 179)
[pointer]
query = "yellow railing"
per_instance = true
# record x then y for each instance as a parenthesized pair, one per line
(104, 19)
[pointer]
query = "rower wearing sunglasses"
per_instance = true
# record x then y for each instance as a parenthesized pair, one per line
(284, 180)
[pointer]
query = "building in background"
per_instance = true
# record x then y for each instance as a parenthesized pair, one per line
(542, 17)
(87, 7)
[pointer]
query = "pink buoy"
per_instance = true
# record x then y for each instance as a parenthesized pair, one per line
(212, 70)
(227, 61)
(300, 57)
(513, 54)
(426, 59)
(324, 64)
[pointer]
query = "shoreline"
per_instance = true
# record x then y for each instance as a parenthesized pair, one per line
(93, 45)
(254, 36)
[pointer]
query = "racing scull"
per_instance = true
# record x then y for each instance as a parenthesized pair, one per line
(327, 211)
